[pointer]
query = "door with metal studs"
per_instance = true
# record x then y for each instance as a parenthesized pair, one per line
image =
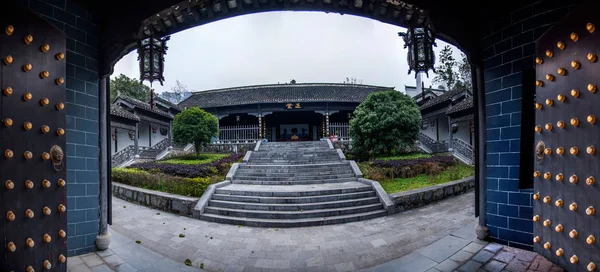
(32, 143)
(567, 137)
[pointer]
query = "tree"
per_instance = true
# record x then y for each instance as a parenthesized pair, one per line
(124, 85)
(444, 72)
(464, 72)
(384, 124)
(178, 93)
(195, 126)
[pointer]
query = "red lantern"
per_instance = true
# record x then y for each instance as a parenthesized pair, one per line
(153, 129)
(114, 135)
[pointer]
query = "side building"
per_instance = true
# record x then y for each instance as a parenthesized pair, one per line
(140, 129)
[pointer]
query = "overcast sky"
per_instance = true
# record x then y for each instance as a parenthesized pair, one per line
(266, 48)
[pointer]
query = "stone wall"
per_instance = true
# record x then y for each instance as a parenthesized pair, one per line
(82, 33)
(508, 47)
(420, 197)
(154, 199)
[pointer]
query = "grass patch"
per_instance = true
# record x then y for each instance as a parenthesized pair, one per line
(192, 160)
(411, 156)
(193, 187)
(452, 173)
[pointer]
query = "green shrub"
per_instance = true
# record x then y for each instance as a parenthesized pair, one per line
(385, 124)
(157, 181)
(193, 160)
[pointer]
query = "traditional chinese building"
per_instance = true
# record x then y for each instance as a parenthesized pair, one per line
(140, 128)
(282, 112)
(521, 52)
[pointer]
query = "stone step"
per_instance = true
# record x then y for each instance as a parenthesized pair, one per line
(290, 223)
(292, 182)
(294, 207)
(297, 161)
(293, 156)
(315, 166)
(293, 214)
(293, 190)
(252, 173)
(293, 200)
(292, 178)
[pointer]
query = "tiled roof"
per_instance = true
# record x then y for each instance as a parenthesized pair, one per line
(441, 99)
(466, 104)
(167, 102)
(281, 93)
(119, 111)
(145, 106)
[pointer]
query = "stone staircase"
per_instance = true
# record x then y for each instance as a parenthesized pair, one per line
(292, 185)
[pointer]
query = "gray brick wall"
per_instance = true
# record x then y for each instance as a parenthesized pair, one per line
(509, 48)
(82, 117)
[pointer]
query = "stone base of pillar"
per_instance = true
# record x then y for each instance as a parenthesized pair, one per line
(102, 241)
(482, 232)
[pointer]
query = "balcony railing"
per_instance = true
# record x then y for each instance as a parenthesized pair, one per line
(123, 155)
(341, 130)
(238, 134)
(433, 145)
(463, 148)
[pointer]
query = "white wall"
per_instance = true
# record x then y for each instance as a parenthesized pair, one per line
(157, 137)
(144, 131)
(441, 124)
(123, 140)
(463, 132)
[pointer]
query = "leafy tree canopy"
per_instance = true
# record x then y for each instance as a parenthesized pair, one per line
(384, 124)
(195, 126)
(124, 85)
(451, 73)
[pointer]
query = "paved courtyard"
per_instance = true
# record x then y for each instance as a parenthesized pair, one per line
(438, 237)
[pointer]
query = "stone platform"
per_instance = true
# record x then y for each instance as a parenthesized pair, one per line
(294, 184)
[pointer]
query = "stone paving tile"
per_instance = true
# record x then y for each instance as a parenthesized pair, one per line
(504, 256)
(494, 266)
(447, 265)
(470, 266)
(91, 260)
(462, 256)
(474, 247)
(427, 241)
(444, 248)
(483, 256)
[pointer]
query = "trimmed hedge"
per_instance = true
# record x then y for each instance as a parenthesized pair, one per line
(218, 167)
(390, 169)
(193, 187)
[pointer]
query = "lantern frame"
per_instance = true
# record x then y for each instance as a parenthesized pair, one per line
(151, 57)
(420, 41)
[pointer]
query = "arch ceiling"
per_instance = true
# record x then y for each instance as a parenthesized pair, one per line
(123, 21)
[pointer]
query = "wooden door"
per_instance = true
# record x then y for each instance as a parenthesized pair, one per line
(32, 143)
(567, 142)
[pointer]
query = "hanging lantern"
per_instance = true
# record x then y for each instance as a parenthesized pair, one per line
(151, 55)
(153, 129)
(420, 42)
(114, 135)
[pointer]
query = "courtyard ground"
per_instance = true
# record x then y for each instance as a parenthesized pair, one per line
(438, 237)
